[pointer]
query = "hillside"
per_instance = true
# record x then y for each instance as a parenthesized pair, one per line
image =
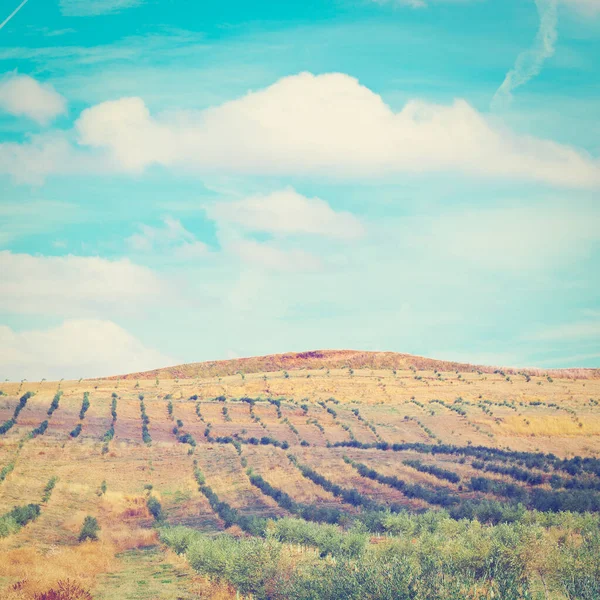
(337, 359)
(312, 480)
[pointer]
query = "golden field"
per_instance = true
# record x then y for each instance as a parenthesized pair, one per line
(399, 404)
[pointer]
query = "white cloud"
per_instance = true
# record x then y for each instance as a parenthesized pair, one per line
(173, 238)
(270, 257)
(46, 154)
(76, 348)
(287, 212)
(21, 95)
(74, 285)
(329, 125)
(93, 8)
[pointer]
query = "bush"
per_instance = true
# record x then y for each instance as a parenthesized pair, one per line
(76, 431)
(6, 470)
(55, 401)
(18, 517)
(40, 429)
(64, 590)
(155, 508)
(433, 470)
(48, 489)
(84, 405)
(89, 529)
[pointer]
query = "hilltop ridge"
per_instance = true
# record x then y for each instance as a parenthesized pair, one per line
(337, 359)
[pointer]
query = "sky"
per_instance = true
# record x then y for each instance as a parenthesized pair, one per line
(184, 181)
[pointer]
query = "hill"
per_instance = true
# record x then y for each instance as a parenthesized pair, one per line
(321, 475)
(338, 359)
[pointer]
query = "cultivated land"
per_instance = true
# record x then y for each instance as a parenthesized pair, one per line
(313, 475)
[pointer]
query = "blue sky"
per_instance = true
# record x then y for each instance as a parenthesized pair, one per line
(184, 181)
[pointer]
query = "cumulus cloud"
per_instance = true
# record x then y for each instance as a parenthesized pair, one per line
(48, 153)
(269, 256)
(76, 348)
(21, 95)
(328, 125)
(73, 285)
(93, 8)
(172, 238)
(285, 212)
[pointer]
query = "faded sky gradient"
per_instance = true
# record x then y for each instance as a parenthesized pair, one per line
(184, 181)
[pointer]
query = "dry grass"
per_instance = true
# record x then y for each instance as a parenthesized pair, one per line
(47, 550)
(546, 425)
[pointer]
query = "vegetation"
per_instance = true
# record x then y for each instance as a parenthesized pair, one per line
(154, 508)
(89, 529)
(48, 489)
(433, 470)
(84, 405)
(9, 424)
(55, 402)
(18, 517)
(461, 516)
(419, 561)
(76, 430)
(145, 422)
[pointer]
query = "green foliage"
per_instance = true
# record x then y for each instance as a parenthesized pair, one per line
(329, 539)
(187, 438)
(433, 470)
(48, 489)
(7, 470)
(76, 431)
(89, 529)
(351, 496)
(428, 557)
(113, 408)
(309, 512)
(55, 402)
(9, 424)
(40, 429)
(18, 517)
(231, 516)
(146, 437)
(154, 507)
(84, 405)
(109, 434)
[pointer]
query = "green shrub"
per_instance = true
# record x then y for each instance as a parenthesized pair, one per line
(55, 401)
(89, 529)
(48, 489)
(154, 507)
(76, 431)
(84, 405)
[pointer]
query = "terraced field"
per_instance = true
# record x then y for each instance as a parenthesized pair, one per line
(304, 470)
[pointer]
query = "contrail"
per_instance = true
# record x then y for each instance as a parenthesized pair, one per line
(529, 63)
(13, 13)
